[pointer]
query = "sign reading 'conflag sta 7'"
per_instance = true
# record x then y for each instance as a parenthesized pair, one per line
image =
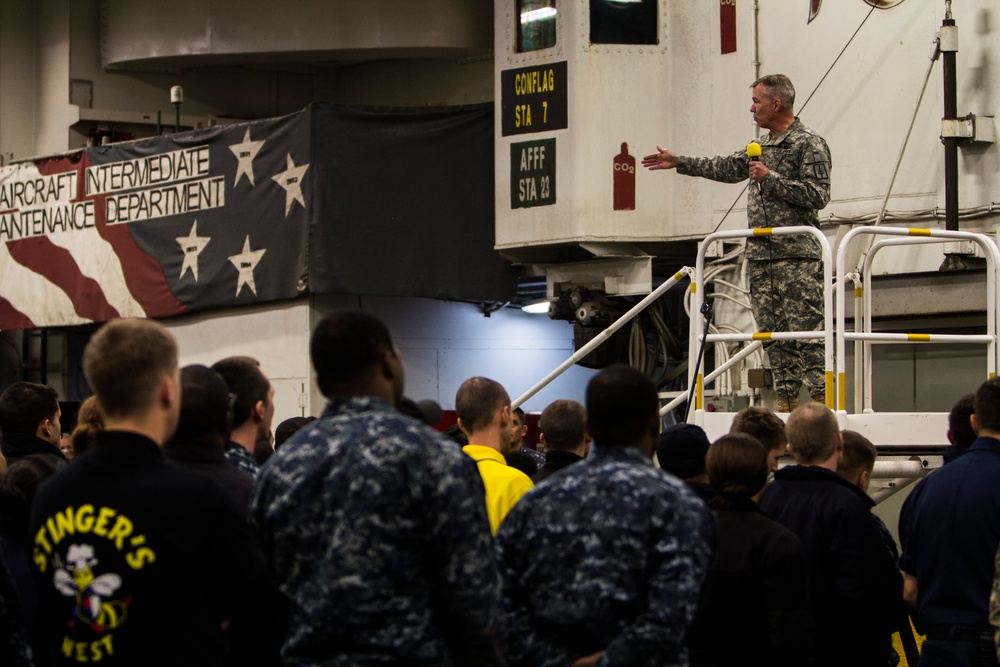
(212, 218)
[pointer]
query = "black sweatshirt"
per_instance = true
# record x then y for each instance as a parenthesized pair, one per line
(138, 562)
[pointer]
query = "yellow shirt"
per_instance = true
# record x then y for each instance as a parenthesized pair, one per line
(504, 485)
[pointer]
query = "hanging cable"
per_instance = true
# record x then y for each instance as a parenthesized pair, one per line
(706, 310)
(909, 130)
(801, 109)
(835, 60)
(935, 54)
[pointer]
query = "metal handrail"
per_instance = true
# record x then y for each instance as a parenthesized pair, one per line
(866, 307)
(860, 347)
(604, 336)
(910, 236)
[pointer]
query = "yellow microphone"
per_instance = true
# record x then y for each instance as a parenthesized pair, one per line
(753, 151)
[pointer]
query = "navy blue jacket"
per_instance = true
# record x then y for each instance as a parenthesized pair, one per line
(208, 461)
(852, 579)
(18, 445)
(555, 461)
(753, 609)
(949, 529)
(706, 492)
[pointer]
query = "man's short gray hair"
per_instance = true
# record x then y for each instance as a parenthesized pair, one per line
(812, 431)
(779, 86)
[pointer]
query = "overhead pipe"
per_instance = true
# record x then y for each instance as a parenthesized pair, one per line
(755, 40)
(895, 469)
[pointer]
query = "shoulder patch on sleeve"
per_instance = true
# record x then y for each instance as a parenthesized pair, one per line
(817, 165)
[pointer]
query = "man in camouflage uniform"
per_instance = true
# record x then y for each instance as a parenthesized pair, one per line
(791, 183)
(374, 523)
(604, 561)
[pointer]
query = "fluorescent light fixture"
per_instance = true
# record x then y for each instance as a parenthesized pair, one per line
(537, 308)
(538, 14)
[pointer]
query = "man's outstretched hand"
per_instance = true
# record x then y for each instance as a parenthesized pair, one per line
(663, 159)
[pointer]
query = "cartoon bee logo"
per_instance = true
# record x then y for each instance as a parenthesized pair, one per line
(78, 581)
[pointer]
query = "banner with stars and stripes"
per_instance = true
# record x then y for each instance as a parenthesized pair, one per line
(250, 213)
(210, 218)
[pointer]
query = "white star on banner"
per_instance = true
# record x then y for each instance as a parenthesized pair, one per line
(245, 263)
(245, 153)
(192, 245)
(291, 180)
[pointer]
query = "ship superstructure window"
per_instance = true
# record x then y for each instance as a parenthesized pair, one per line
(536, 28)
(623, 22)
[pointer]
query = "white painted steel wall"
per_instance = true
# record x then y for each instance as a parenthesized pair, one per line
(442, 344)
(277, 335)
(616, 94)
(684, 95)
(865, 105)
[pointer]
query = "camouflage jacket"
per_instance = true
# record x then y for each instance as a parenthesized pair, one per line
(538, 458)
(377, 531)
(797, 186)
(238, 455)
(609, 556)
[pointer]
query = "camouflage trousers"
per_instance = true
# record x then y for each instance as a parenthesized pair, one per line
(787, 295)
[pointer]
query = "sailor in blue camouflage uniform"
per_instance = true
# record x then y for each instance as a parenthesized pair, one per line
(252, 407)
(374, 523)
(242, 459)
(604, 562)
(791, 183)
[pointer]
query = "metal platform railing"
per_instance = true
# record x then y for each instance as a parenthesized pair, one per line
(864, 337)
(902, 429)
(696, 338)
(905, 432)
